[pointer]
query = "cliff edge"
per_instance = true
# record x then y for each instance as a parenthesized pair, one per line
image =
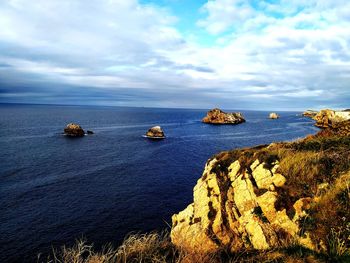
(270, 196)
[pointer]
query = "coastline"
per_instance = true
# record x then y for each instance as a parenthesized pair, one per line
(160, 245)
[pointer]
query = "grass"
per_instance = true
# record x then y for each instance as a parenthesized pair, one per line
(157, 248)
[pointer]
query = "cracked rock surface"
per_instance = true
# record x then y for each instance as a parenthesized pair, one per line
(236, 209)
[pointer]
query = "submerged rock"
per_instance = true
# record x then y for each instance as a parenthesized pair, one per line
(74, 130)
(89, 132)
(155, 132)
(273, 115)
(217, 116)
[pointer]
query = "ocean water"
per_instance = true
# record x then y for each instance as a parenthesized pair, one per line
(55, 189)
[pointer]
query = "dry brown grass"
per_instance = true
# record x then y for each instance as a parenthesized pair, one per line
(157, 248)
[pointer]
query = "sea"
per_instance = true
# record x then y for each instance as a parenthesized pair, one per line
(102, 187)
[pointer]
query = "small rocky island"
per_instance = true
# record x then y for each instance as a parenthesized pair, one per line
(273, 116)
(75, 130)
(217, 116)
(155, 132)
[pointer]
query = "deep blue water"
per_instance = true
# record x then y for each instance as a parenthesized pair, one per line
(54, 189)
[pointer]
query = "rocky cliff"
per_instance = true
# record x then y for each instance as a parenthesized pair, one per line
(217, 116)
(269, 196)
(331, 118)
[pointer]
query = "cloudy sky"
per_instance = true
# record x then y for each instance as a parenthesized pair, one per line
(235, 54)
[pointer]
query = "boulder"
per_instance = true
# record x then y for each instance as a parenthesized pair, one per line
(89, 132)
(273, 115)
(217, 116)
(74, 130)
(155, 132)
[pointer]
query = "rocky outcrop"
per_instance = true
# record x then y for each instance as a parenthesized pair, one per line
(236, 211)
(330, 118)
(74, 130)
(155, 132)
(310, 113)
(273, 115)
(217, 116)
(261, 198)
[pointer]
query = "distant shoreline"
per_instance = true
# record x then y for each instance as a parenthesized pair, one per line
(141, 107)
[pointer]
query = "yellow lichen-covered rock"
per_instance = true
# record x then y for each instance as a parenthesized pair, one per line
(255, 232)
(259, 198)
(235, 206)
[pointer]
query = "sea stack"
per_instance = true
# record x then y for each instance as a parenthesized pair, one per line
(74, 130)
(273, 115)
(155, 132)
(217, 116)
(310, 113)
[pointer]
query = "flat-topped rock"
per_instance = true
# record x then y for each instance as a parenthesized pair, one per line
(74, 130)
(273, 115)
(155, 132)
(217, 116)
(310, 113)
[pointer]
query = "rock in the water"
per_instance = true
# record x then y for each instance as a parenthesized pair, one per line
(74, 130)
(89, 132)
(310, 113)
(273, 115)
(155, 132)
(217, 116)
(330, 118)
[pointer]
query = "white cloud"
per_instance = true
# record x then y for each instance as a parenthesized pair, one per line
(223, 14)
(301, 52)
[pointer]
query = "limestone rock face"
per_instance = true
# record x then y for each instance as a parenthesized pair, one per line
(155, 132)
(273, 115)
(237, 209)
(74, 130)
(217, 116)
(330, 118)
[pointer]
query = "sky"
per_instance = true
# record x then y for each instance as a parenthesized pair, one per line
(233, 54)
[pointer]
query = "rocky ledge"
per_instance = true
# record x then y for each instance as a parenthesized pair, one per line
(74, 130)
(155, 132)
(217, 116)
(269, 196)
